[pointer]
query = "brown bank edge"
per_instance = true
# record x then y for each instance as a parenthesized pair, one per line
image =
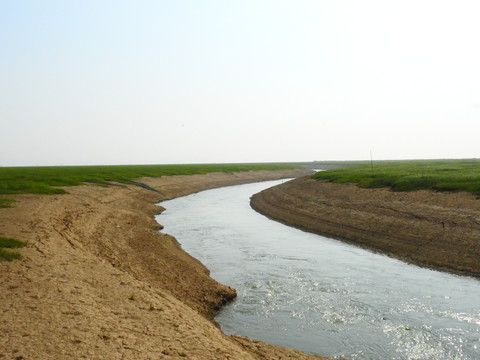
(440, 231)
(99, 281)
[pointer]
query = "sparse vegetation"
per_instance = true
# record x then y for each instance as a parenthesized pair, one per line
(407, 175)
(47, 180)
(9, 243)
(6, 203)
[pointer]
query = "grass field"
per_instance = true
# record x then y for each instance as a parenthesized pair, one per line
(47, 180)
(407, 175)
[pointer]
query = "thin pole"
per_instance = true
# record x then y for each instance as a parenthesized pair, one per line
(371, 161)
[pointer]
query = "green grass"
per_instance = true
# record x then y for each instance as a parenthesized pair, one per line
(10, 243)
(408, 175)
(9, 255)
(47, 180)
(6, 203)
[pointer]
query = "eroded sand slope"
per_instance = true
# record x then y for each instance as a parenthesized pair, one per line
(98, 281)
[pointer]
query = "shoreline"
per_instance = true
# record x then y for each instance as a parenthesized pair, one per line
(440, 231)
(98, 280)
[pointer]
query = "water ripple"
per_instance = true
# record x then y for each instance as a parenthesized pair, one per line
(319, 295)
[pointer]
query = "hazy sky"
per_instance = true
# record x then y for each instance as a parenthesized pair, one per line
(132, 82)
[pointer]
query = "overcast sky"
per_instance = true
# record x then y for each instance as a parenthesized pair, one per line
(136, 82)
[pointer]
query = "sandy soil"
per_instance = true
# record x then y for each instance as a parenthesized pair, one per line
(99, 281)
(437, 230)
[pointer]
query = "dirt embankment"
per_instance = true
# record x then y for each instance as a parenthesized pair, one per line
(436, 230)
(98, 281)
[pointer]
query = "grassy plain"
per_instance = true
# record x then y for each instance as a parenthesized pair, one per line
(407, 175)
(47, 180)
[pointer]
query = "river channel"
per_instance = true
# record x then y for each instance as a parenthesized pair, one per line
(319, 295)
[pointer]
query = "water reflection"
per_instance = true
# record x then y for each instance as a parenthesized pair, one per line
(319, 295)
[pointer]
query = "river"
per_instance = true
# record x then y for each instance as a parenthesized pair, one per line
(319, 295)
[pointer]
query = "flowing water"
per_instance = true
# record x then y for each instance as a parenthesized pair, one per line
(320, 295)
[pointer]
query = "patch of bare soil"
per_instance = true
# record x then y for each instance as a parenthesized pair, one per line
(99, 281)
(436, 230)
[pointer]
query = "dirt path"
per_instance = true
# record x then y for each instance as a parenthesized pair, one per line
(98, 281)
(437, 230)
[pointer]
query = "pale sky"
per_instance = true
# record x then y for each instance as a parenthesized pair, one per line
(157, 82)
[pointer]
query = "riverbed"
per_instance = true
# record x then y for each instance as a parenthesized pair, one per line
(320, 295)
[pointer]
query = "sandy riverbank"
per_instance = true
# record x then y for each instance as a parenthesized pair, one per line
(436, 230)
(98, 281)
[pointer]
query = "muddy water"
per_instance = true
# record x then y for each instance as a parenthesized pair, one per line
(319, 295)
